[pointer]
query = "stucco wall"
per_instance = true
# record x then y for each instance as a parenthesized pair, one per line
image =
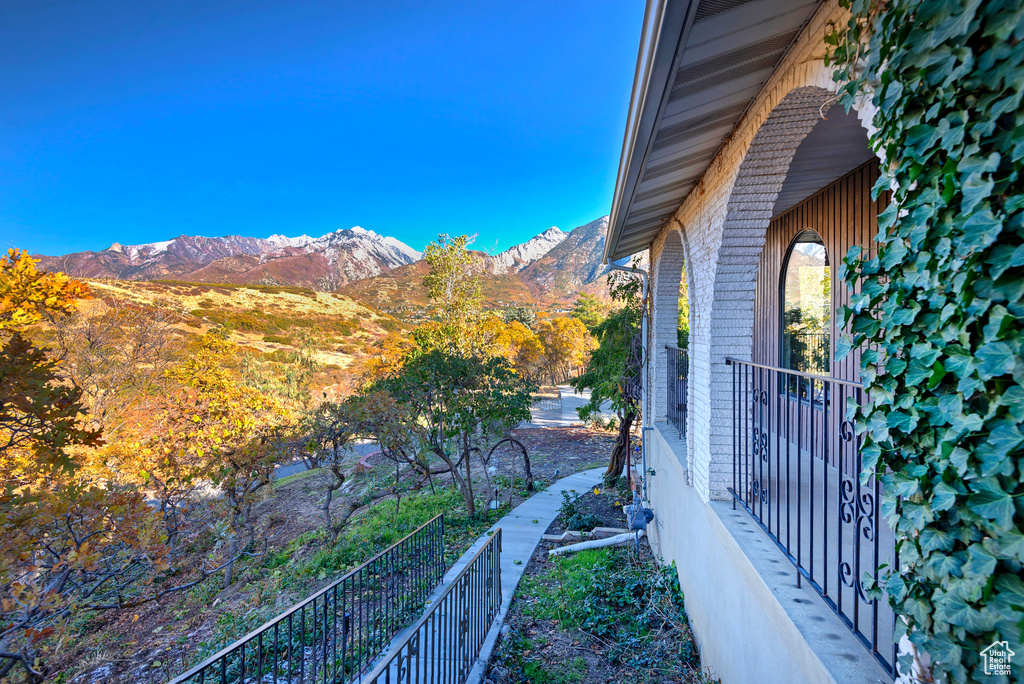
(752, 623)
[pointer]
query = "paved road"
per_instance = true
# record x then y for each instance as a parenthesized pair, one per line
(561, 412)
(297, 466)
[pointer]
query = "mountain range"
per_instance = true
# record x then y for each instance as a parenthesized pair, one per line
(379, 270)
(323, 263)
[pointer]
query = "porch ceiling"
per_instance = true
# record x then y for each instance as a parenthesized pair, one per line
(701, 63)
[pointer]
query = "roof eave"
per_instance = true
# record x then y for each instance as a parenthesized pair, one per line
(666, 28)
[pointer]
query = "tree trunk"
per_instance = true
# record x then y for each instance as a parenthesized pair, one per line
(620, 452)
(528, 470)
(229, 571)
(327, 513)
(468, 494)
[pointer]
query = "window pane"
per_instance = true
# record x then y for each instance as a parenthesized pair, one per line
(807, 306)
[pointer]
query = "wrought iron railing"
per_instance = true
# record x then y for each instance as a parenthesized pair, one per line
(797, 471)
(336, 633)
(678, 369)
(445, 643)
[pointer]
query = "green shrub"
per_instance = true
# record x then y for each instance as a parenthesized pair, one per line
(574, 519)
(634, 607)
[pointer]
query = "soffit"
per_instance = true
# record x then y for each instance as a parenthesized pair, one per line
(709, 60)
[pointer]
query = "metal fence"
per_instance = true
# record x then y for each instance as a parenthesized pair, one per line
(336, 633)
(797, 471)
(445, 643)
(678, 369)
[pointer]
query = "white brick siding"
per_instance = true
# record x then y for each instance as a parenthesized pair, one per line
(720, 231)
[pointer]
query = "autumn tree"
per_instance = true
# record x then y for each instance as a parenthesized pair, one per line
(613, 370)
(448, 405)
(386, 356)
(516, 342)
(566, 342)
(76, 532)
(65, 544)
(453, 287)
(229, 430)
(332, 430)
(683, 327)
(117, 354)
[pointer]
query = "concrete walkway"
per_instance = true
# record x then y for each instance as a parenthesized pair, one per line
(521, 530)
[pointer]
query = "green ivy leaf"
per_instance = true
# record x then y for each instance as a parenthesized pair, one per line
(979, 231)
(933, 539)
(945, 566)
(1011, 592)
(980, 561)
(958, 361)
(919, 372)
(1004, 439)
(1011, 545)
(904, 421)
(976, 188)
(921, 137)
(994, 359)
(943, 497)
(991, 501)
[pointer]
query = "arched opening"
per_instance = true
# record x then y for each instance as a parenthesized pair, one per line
(823, 208)
(801, 200)
(669, 361)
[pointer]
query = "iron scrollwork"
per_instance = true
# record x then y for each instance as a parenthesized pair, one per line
(860, 512)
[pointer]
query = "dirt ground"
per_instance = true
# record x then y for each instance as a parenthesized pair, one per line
(547, 651)
(556, 452)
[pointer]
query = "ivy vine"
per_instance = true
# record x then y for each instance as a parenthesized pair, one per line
(938, 313)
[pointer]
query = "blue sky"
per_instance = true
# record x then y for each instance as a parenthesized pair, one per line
(136, 120)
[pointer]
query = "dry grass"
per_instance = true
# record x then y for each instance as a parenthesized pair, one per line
(193, 299)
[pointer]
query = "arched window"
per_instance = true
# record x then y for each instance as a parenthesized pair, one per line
(806, 305)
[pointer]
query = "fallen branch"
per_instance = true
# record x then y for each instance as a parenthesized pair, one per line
(617, 540)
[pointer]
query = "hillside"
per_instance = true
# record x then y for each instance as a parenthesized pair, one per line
(400, 292)
(548, 270)
(270, 320)
(520, 256)
(517, 277)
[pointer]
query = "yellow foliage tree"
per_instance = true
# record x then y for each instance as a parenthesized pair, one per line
(514, 341)
(209, 428)
(566, 342)
(66, 543)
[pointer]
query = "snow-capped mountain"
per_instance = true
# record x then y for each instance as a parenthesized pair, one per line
(515, 259)
(365, 243)
(551, 267)
(555, 277)
(323, 263)
(203, 250)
